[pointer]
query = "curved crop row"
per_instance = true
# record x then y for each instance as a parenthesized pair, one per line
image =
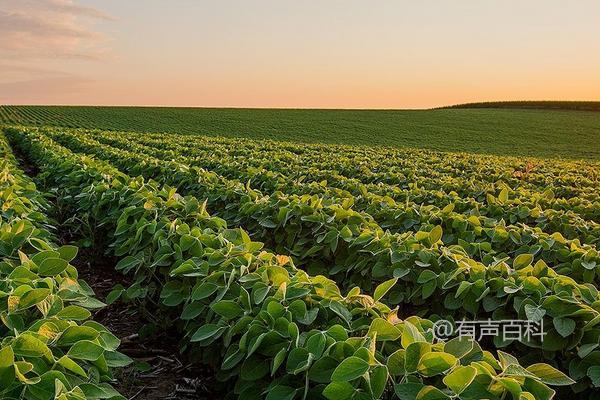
(365, 162)
(426, 269)
(537, 208)
(49, 349)
(277, 331)
(483, 238)
(572, 183)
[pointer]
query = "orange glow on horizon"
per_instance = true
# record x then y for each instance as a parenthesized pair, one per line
(283, 54)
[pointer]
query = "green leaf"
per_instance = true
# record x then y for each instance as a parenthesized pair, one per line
(383, 288)
(204, 290)
(519, 371)
(338, 332)
(254, 369)
(72, 366)
(396, 362)
(341, 310)
(436, 363)
(413, 355)
(114, 359)
(459, 346)
(299, 360)
(74, 334)
(538, 389)
(207, 331)
(408, 390)
(435, 235)
(426, 276)
(522, 261)
(460, 378)
(512, 385)
(503, 196)
(281, 392)
(534, 313)
(228, 309)
(550, 375)
(322, 369)
(85, 350)
(428, 289)
(68, 252)
(74, 313)
(52, 266)
(594, 374)
(187, 241)
(33, 297)
(278, 360)
(259, 292)
(216, 258)
(232, 358)
(431, 393)
(7, 368)
(127, 263)
(339, 391)
(411, 334)
(384, 330)
(378, 380)
(564, 326)
(27, 345)
(114, 294)
(586, 349)
(192, 310)
(316, 344)
(506, 359)
(96, 391)
(350, 369)
(298, 309)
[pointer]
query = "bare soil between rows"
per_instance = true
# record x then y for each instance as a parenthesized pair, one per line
(159, 370)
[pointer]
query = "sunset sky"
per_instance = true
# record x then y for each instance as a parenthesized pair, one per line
(309, 54)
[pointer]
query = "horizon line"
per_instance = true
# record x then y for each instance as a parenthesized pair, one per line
(447, 106)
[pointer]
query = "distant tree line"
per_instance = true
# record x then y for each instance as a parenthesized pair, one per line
(546, 105)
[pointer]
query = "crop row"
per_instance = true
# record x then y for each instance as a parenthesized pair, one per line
(481, 238)
(494, 201)
(563, 175)
(35, 115)
(49, 349)
(391, 214)
(278, 332)
(517, 288)
(467, 174)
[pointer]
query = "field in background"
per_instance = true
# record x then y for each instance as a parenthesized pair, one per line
(518, 132)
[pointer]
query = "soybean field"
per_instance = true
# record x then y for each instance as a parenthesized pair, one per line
(139, 264)
(555, 131)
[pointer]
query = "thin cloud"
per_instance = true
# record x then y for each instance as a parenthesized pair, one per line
(50, 29)
(35, 33)
(75, 9)
(35, 26)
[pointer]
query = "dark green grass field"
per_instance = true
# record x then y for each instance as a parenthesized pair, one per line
(546, 133)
